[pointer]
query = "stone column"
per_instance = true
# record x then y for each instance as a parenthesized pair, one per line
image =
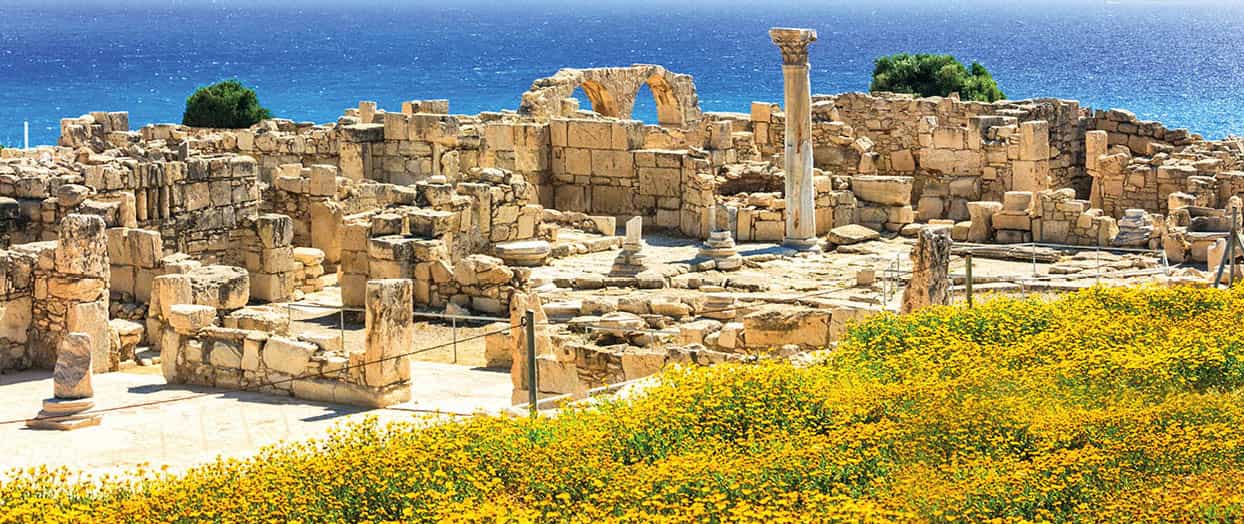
(930, 270)
(800, 192)
(389, 332)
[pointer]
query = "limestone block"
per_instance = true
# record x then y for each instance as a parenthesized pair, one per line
(323, 180)
(982, 214)
(1017, 200)
(589, 134)
(146, 248)
(1034, 140)
(76, 289)
(902, 160)
(288, 356)
(274, 230)
(187, 319)
(851, 234)
(641, 364)
(885, 190)
(557, 376)
(222, 287)
(168, 291)
(772, 328)
(71, 378)
(275, 287)
(91, 318)
(15, 316)
(327, 229)
(225, 355)
(82, 246)
(1030, 175)
(498, 347)
(389, 331)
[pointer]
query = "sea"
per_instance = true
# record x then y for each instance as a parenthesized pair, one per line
(1174, 61)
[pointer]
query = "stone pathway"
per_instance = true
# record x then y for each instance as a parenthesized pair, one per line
(228, 423)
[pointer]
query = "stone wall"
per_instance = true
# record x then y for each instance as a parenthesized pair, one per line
(16, 294)
(196, 350)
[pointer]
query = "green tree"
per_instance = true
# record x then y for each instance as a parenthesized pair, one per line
(227, 104)
(934, 75)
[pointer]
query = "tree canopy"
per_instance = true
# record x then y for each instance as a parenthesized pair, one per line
(934, 75)
(227, 104)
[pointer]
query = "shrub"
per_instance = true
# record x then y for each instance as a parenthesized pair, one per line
(1109, 405)
(934, 75)
(228, 105)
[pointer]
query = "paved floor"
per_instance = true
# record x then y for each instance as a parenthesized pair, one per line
(225, 423)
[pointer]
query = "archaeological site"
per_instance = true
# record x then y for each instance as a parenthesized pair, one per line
(319, 261)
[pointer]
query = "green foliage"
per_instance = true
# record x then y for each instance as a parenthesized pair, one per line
(934, 75)
(227, 104)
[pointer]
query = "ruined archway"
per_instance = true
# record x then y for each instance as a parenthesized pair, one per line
(612, 92)
(603, 101)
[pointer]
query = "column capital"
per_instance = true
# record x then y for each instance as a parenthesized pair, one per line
(793, 43)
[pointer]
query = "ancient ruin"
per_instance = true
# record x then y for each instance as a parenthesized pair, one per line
(749, 235)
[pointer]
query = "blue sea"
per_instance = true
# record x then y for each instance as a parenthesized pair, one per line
(1175, 61)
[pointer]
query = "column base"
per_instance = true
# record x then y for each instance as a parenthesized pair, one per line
(802, 244)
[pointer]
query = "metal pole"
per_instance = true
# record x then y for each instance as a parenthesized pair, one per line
(967, 260)
(455, 329)
(532, 384)
(1097, 256)
(1231, 246)
(1033, 247)
(342, 328)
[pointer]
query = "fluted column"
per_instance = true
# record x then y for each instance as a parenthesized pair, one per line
(800, 192)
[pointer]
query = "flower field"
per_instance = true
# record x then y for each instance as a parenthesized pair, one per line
(1109, 405)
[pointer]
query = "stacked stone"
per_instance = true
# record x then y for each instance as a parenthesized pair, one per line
(310, 269)
(767, 126)
(1013, 224)
(270, 259)
(478, 282)
(1141, 137)
(296, 189)
(274, 143)
(884, 201)
(355, 265)
(219, 198)
(503, 205)
(521, 147)
(71, 291)
(404, 148)
(257, 355)
(721, 250)
(1135, 229)
(903, 128)
(94, 130)
(16, 290)
(135, 258)
(1062, 219)
(594, 168)
(631, 261)
(761, 217)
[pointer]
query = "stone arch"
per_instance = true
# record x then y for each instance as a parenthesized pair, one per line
(612, 92)
(603, 101)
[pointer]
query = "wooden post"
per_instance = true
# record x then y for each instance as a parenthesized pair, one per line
(532, 384)
(967, 260)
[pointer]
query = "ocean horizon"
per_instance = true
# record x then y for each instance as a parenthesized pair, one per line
(1170, 61)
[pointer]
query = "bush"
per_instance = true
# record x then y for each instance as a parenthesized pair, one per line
(1109, 405)
(934, 75)
(228, 105)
